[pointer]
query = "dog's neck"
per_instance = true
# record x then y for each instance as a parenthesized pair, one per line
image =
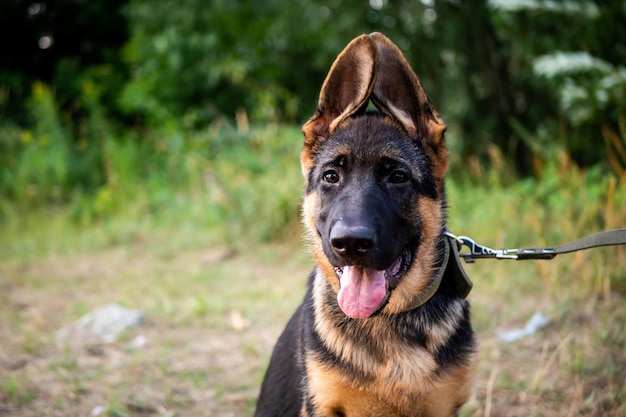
(450, 267)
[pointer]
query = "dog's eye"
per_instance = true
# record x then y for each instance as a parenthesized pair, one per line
(331, 177)
(398, 177)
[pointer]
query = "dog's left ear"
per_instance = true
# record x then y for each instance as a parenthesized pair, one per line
(398, 93)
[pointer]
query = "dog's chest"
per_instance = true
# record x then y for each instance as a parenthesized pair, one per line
(374, 355)
(396, 392)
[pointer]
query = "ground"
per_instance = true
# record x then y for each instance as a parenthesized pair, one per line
(214, 313)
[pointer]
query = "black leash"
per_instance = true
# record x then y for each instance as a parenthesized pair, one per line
(476, 251)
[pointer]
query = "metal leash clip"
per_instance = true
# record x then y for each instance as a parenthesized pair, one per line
(477, 251)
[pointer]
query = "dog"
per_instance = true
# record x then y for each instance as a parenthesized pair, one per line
(384, 328)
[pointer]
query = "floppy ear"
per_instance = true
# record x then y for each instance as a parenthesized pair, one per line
(345, 91)
(399, 94)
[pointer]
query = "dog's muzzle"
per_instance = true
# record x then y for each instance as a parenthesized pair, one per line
(366, 272)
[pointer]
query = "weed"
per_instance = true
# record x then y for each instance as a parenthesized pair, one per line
(116, 412)
(14, 394)
(10, 390)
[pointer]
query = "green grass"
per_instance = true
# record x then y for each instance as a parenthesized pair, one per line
(216, 262)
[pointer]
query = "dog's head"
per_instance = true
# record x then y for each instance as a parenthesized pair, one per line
(374, 207)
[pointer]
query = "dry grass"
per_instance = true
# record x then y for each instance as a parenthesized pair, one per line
(212, 316)
(576, 366)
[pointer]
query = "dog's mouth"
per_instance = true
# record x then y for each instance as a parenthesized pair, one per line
(365, 291)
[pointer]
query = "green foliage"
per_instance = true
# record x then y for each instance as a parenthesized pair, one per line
(259, 184)
(219, 178)
(591, 93)
(59, 43)
(565, 204)
(14, 394)
(202, 61)
(138, 117)
(46, 163)
(572, 77)
(38, 168)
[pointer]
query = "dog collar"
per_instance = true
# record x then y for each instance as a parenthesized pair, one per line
(450, 266)
(454, 269)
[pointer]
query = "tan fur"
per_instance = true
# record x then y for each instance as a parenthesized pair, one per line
(309, 208)
(418, 277)
(399, 389)
(411, 366)
(450, 392)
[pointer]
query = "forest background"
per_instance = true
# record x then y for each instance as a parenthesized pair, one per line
(163, 127)
(519, 82)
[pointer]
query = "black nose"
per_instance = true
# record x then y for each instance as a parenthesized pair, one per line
(352, 241)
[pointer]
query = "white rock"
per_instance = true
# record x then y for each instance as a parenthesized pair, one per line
(103, 325)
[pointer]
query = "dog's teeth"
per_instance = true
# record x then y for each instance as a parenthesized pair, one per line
(396, 267)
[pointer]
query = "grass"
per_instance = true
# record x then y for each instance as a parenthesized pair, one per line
(217, 266)
(570, 368)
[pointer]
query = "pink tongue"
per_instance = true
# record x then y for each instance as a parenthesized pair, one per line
(362, 291)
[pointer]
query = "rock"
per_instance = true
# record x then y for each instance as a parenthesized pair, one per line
(536, 322)
(103, 325)
(138, 342)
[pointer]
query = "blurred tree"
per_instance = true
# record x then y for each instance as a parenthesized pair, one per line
(507, 75)
(206, 58)
(481, 88)
(59, 42)
(565, 63)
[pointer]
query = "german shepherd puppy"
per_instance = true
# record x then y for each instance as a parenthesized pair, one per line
(384, 327)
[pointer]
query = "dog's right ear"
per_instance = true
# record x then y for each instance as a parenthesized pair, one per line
(345, 91)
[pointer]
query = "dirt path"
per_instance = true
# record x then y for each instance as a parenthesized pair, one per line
(213, 315)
